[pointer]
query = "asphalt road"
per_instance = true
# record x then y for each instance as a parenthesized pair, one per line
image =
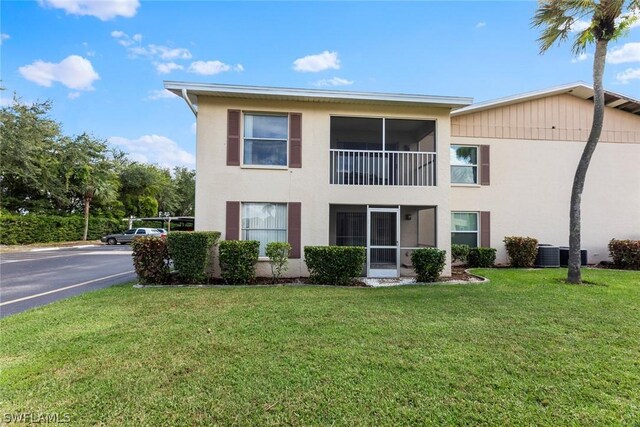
(31, 279)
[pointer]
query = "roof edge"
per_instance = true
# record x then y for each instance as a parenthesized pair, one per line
(571, 88)
(214, 89)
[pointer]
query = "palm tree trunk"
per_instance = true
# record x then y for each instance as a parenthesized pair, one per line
(574, 275)
(87, 204)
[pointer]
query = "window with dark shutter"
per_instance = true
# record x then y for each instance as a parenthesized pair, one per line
(294, 229)
(232, 231)
(233, 138)
(295, 140)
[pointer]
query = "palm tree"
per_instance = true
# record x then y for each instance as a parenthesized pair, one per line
(603, 21)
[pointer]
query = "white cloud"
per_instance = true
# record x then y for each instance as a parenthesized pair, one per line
(635, 14)
(101, 9)
(194, 127)
(336, 81)
(629, 52)
(75, 72)
(158, 51)
(582, 24)
(4, 37)
(239, 68)
(160, 94)
(481, 24)
(580, 58)
(207, 68)
(73, 95)
(579, 25)
(627, 75)
(156, 149)
(314, 63)
(167, 67)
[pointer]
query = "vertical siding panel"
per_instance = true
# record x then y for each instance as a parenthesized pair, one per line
(492, 123)
(520, 120)
(534, 119)
(485, 124)
(527, 120)
(575, 125)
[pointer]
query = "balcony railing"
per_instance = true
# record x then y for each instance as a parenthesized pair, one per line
(364, 167)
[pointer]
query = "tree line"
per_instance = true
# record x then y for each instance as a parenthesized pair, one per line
(43, 171)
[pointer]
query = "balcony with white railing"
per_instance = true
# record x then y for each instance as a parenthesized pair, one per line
(377, 167)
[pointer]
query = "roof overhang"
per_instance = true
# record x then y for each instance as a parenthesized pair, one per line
(579, 89)
(193, 90)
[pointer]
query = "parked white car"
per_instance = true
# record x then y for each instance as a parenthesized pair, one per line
(132, 233)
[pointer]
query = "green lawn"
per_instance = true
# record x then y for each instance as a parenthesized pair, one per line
(523, 349)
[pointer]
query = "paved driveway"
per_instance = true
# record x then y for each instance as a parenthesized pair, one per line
(30, 279)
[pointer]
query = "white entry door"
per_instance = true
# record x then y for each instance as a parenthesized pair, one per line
(383, 245)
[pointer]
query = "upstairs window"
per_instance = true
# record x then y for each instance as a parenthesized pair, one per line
(265, 139)
(464, 164)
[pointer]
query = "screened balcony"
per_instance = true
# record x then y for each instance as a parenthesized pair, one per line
(378, 151)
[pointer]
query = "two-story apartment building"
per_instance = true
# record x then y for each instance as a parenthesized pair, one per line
(391, 172)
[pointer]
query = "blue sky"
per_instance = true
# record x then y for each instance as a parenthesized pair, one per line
(102, 63)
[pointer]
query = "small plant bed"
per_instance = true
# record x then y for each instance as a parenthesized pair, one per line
(175, 281)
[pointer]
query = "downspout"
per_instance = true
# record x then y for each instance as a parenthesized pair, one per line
(189, 103)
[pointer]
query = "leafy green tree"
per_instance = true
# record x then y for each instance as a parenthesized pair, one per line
(89, 174)
(185, 187)
(608, 20)
(29, 148)
(144, 188)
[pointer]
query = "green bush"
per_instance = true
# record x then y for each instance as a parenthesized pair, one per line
(238, 259)
(26, 229)
(151, 260)
(481, 257)
(278, 253)
(625, 253)
(191, 253)
(428, 263)
(334, 265)
(459, 252)
(522, 251)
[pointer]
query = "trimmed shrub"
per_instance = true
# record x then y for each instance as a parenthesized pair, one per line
(428, 263)
(334, 265)
(278, 253)
(522, 251)
(481, 257)
(238, 259)
(625, 253)
(26, 229)
(191, 253)
(459, 252)
(151, 260)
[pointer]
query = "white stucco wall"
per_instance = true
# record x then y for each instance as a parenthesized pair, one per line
(218, 183)
(531, 188)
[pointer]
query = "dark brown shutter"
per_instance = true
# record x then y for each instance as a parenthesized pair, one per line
(233, 137)
(233, 221)
(485, 229)
(485, 165)
(294, 228)
(295, 140)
